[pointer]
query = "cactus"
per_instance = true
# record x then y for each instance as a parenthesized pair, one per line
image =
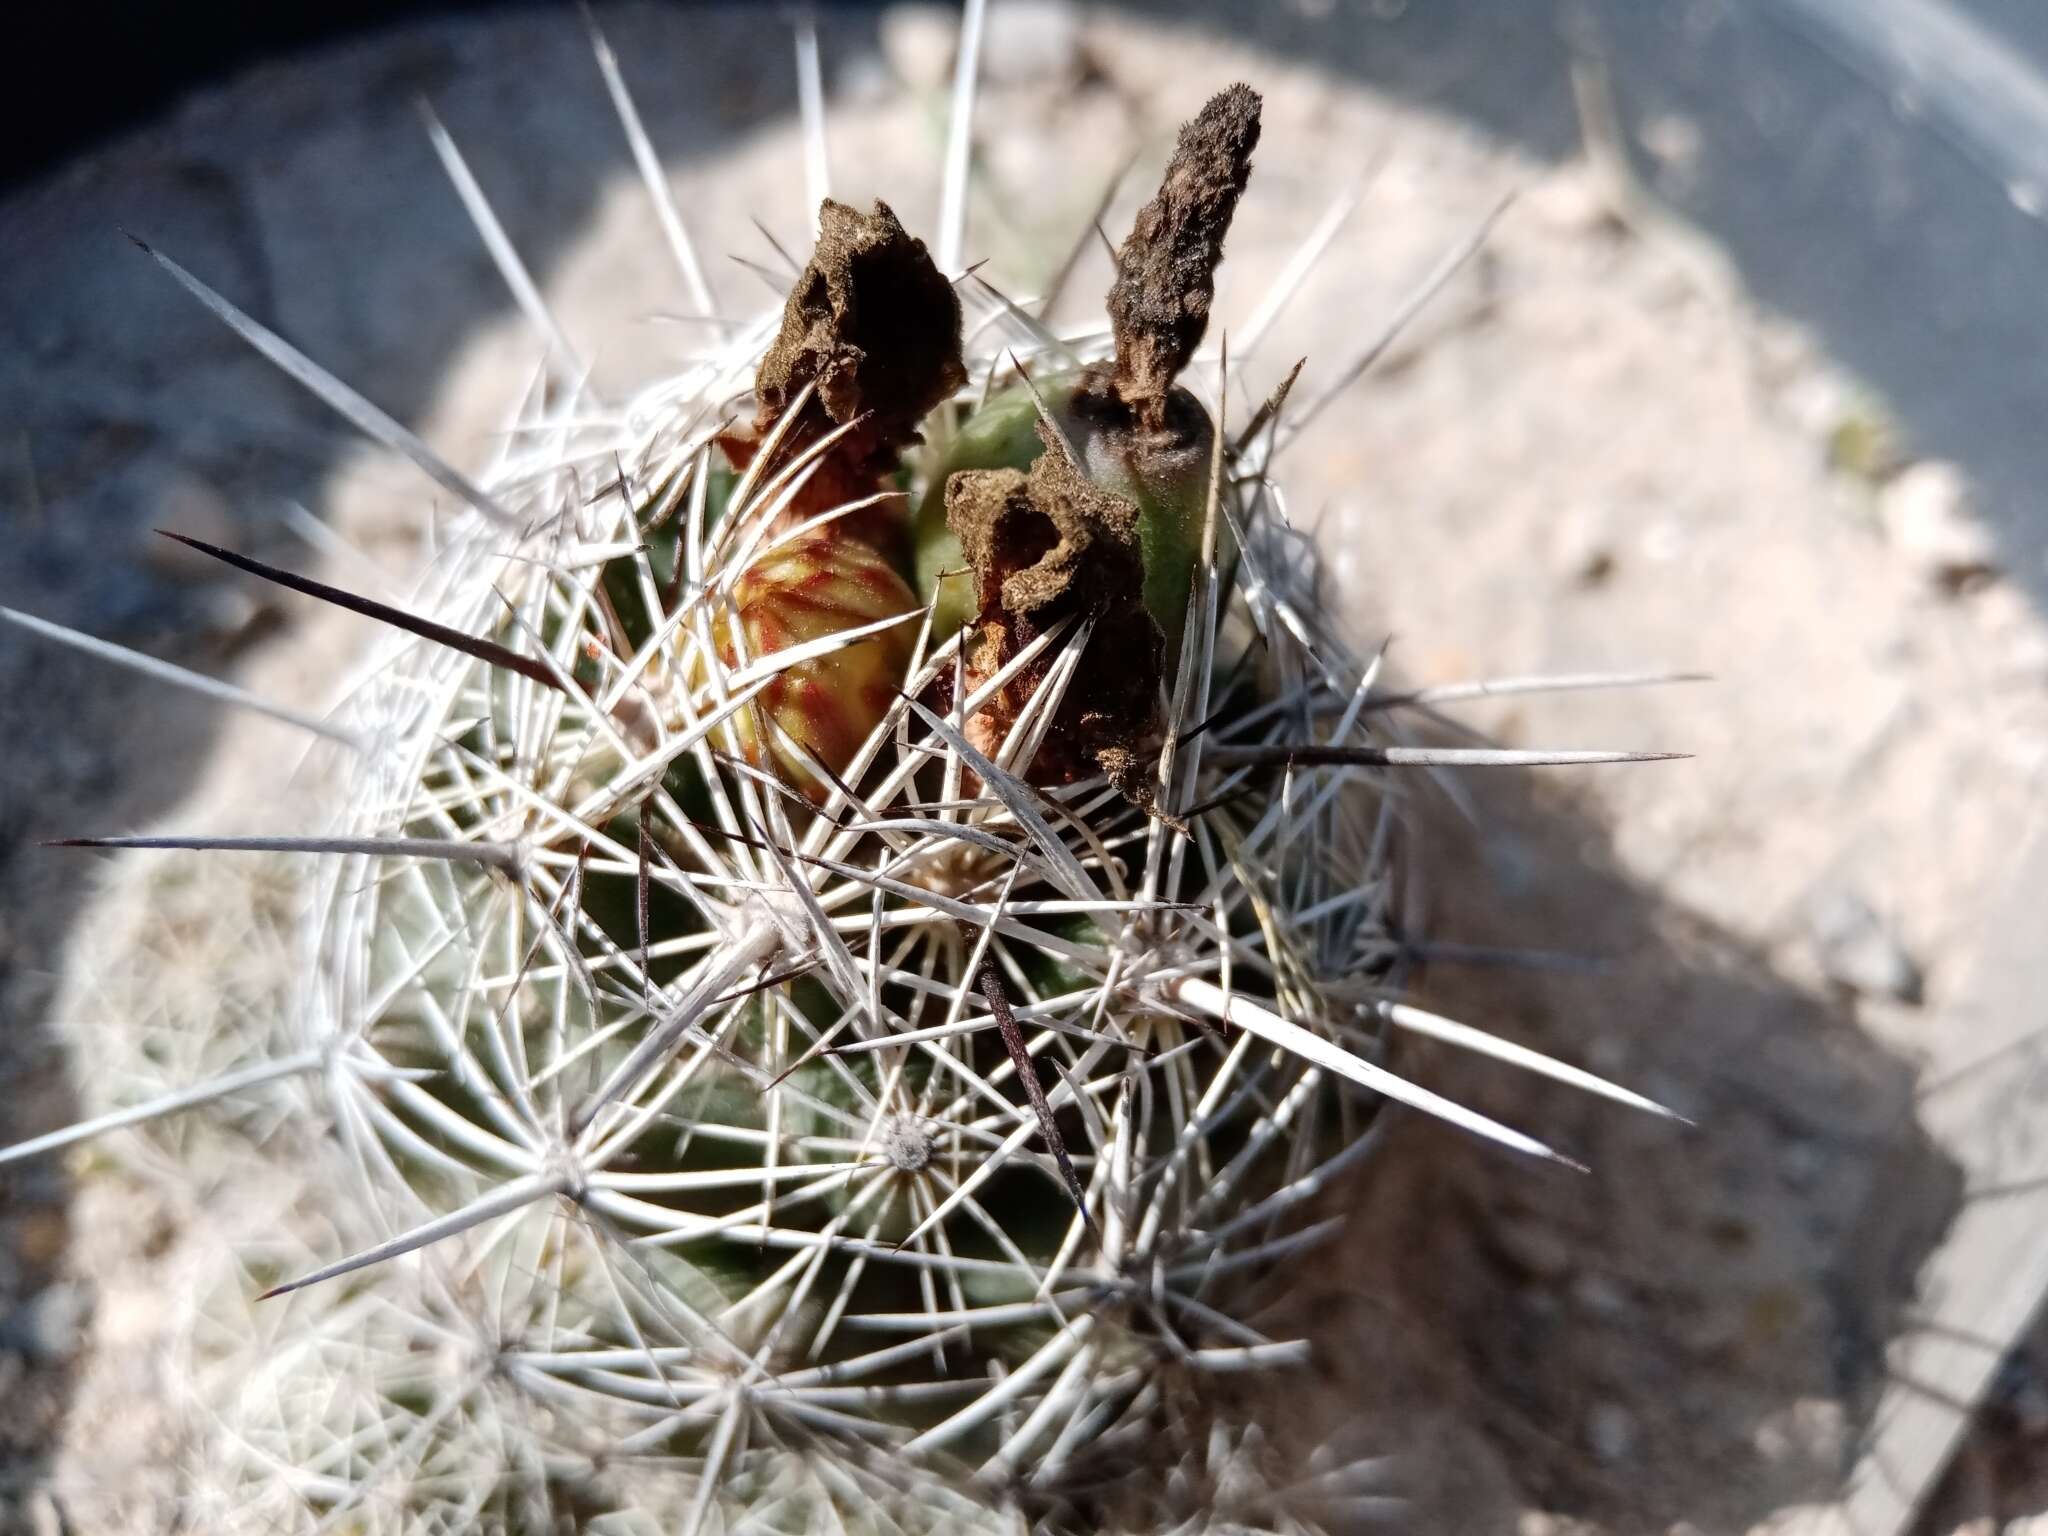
(779, 1047)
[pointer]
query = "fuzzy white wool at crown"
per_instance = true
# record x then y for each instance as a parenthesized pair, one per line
(711, 1141)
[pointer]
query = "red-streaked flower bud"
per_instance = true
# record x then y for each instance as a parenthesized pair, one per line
(810, 588)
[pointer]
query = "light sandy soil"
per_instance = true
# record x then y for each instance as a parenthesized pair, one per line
(1592, 453)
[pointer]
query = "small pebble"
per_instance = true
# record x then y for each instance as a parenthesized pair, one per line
(1664, 539)
(1813, 399)
(918, 41)
(50, 1325)
(1802, 1163)
(1570, 202)
(1712, 1335)
(1857, 950)
(40, 1233)
(1610, 1431)
(1929, 517)
(1813, 1430)
(1533, 1250)
(1675, 143)
(1582, 548)
(862, 79)
(1598, 1296)
(1032, 42)
(1785, 358)
(231, 617)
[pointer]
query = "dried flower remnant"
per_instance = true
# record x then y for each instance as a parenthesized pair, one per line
(869, 344)
(1166, 267)
(1045, 545)
(872, 322)
(874, 327)
(1110, 529)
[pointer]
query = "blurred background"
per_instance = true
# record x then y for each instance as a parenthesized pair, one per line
(1748, 380)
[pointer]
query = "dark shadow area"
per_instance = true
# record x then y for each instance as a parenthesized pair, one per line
(117, 63)
(1642, 1345)
(106, 66)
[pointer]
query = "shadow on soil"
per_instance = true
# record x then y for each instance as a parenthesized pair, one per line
(1642, 1344)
